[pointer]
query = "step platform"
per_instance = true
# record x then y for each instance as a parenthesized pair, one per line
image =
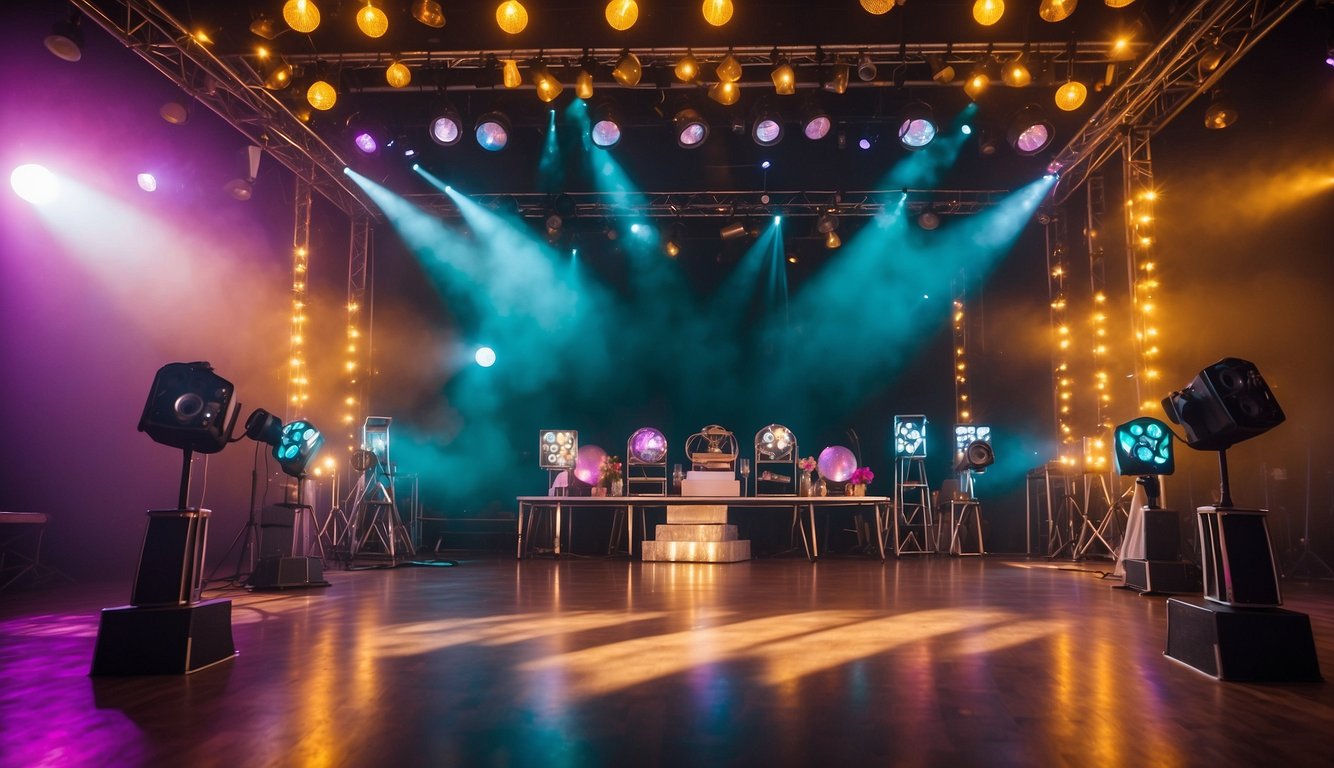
(1271, 645)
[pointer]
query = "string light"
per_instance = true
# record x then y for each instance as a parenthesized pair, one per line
(1062, 380)
(962, 409)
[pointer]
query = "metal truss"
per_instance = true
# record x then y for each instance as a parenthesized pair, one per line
(234, 94)
(685, 205)
(1168, 79)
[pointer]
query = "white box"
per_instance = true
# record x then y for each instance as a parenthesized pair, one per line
(700, 482)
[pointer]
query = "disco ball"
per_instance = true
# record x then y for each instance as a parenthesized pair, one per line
(588, 464)
(836, 464)
(648, 445)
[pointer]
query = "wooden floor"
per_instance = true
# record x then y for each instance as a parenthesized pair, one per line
(493, 662)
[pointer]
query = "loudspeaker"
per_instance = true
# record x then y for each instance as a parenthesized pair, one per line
(171, 560)
(1162, 534)
(288, 572)
(1226, 403)
(1161, 577)
(190, 407)
(163, 641)
(275, 530)
(1252, 644)
(1237, 557)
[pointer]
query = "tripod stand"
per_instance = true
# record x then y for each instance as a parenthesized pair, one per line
(375, 512)
(1308, 564)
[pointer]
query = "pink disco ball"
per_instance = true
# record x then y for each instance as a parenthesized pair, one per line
(648, 445)
(836, 463)
(588, 464)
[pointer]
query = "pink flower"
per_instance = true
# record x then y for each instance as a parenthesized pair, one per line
(861, 476)
(807, 464)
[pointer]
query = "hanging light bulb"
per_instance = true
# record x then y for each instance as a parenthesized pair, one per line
(1118, 3)
(548, 87)
(512, 17)
(583, 84)
(725, 93)
(398, 75)
(717, 12)
(622, 14)
(429, 13)
(877, 7)
(371, 21)
(1056, 10)
(301, 15)
(510, 76)
(988, 12)
(627, 71)
(977, 83)
(687, 68)
(729, 69)
(321, 95)
(1015, 74)
(785, 79)
(1071, 95)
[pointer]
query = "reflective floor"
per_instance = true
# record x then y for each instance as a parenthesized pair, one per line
(921, 661)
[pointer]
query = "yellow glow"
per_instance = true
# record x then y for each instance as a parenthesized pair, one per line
(510, 74)
(1120, 48)
(976, 85)
(1016, 75)
(988, 12)
(1071, 95)
(1117, 3)
(784, 79)
(1056, 10)
(512, 17)
(301, 15)
(627, 70)
(583, 85)
(687, 68)
(729, 69)
(548, 87)
(622, 14)
(372, 22)
(877, 7)
(321, 95)
(725, 93)
(202, 37)
(398, 75)
(717, 12)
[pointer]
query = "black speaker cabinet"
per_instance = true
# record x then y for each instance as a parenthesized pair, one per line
(170, 640)
(1162, 534)
(1238, 558)
(288, 573)
(1161, 577)
(171, 561)
(1246, 644)
(276, 523)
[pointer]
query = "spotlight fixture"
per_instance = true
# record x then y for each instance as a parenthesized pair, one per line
(941, 71)
(732, 230)
(297, 446)
(446, 127)
(583, 82)
(301, 15)
(628, 70)
(264, 27)
(917, 126)
(277, 74)
(826, 223)
(429, 13)
(815, 121)
(977, 83)
(509, 74)
(909, 436)
(929, 220)
(717, 12)
(1221, 113)
(1071, 95)
(728, 69)
(865, 68)
(675, 239)
(606, 130)
(492, 131)
(66, 39)
(972, 448)
(398, 75)
(1056, 10)
(548, 87)
(831, 241)
(366, 135)
(1211, 58)
(147, 182)
(767, 127)
(1015, 72)
(511, 17)
(1117, 3)
(372, 21)
(1143, 446)
(174, 112)
(838, 77)
(1226, 403)
(725, 93)
(622, 14)
(1030, 131)
(783, 76)
(988, 12)
(687, 68)
(691, 128)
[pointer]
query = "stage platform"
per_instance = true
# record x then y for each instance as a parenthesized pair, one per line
(924, 661)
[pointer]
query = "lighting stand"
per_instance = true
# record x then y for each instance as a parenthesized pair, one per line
(1239, 632)
(1308, 564)
(1160, 570)
(1104, 530)
(166, 629)
(249, 534)
(1066, 516)
(336, 526)
(373, 506)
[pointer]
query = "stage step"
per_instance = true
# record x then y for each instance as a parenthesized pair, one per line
(697, 551)
(692, 532)
(704, 513)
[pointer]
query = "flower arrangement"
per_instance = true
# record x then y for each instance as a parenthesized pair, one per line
(807, 464)
(609, 471)
(861, 476)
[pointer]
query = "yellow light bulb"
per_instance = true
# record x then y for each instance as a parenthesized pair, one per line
(510, 75)
(301, 15)
(398, 75)
(725, 93)
(321, 95)
(687, 68)
(1056, 10)
(976, 85)
(622, 14)
(583, 85)
(784, 79)
(877, 7)
(717, 12)
(512, 17)
(729, 69)
(1071, 96)
(988, 12)
(372, 22)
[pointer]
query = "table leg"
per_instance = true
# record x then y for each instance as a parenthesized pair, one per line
(556, 542)
(879, 530)
(518, 554)
(815, 546)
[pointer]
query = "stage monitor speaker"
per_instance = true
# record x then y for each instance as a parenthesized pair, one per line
(288, 573)
(1162, 577)
(276, 523)
(1162, 534)
(171, 561)
(171, 640)
(1238, 558)
(1246, 644)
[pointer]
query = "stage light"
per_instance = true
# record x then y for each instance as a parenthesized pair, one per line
(264, 27)
(429, 13)
(548, 87)
(1226, 403)
(1117, 3)
(509, 74)
(675, 239)
(691, 128)
(866, 70)
(485, 357)
(977, 84)
(627, 70)
(398, 75)
(877, 7)
(277, 74)
(34, 183)
(725, 93)
(583, 82)
(301, 15)
(492, 131)
(299, 444)
(190, 407)
(446, 126)
(917, 125)
(622, 14)
(732, 230)
(1221, 113)
(972, 448)
(1030, 131)
(988, 12)
(967, 434)
(717, 12)
(966, 129)
(838, 77)
(174, 112)
(941, 71)
(728, 69)
(1071, 95)
(606, 130)
(863, 143)
(1056, 10)
(687, 68)
(909, 436)
(783, 77)
(1211, 58)
(928, 220)
(321, 95)
(512, 17)
(815, 121)
(366, 135)
(831, 241)
(827, 222)
(1015, 73)
(1143, 446)
(371, 21)
(767, 128)
(66, 39)
(147, 182)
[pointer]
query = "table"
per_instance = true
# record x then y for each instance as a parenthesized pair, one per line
(21, 545)
(530, 505)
